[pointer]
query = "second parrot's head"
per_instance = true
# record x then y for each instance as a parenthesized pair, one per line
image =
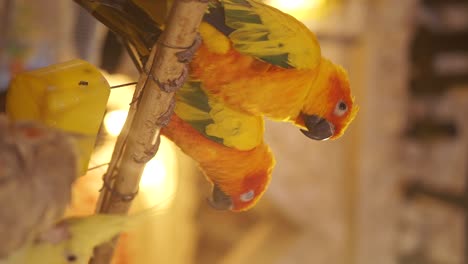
(247, 184)
(329, 106)
(241, 195)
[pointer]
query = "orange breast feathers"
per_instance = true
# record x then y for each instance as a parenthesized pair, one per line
(250, 85)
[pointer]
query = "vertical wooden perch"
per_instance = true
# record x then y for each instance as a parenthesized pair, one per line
(139, 139)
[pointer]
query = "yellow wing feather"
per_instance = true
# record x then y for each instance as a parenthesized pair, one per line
(265, 32)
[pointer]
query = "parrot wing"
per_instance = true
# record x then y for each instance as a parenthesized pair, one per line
(266, 33)
(239, 177)
(254, 28)
(216, 121)
(227, 144)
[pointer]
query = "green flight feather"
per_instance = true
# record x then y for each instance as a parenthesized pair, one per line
(215, 120)
(264, 32)
(193, 107)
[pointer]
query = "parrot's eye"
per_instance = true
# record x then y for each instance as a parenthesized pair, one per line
(248, 196)
(341, 108)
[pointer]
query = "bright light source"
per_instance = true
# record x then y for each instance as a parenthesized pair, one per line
(114, 121)
(159, 180)
(154, 174)
(301, 9)
(116, 79)
(121, 97)
(290, 4)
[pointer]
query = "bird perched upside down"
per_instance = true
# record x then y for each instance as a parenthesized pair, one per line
(254, 61)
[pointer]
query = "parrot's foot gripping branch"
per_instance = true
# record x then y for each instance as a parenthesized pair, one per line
(148, 153)
(173, 85)
(164, 119)
(184, 57)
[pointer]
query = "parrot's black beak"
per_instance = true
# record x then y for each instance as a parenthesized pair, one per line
(318, 128)
(219, 200)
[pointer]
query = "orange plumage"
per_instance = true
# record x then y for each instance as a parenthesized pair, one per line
(254, 62)
(223, 164)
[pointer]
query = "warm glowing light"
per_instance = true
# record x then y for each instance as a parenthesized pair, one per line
(121, 97)
(301, 9)
(291, 4)
(114, 121)
(116, 79)
(154, 174)
(159, 179)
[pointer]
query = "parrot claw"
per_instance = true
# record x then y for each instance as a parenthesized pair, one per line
(149, 153)
(165, 118)
(171, 86)
(186, 55)
(162, 121)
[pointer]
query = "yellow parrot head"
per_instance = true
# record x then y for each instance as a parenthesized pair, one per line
(329, 107)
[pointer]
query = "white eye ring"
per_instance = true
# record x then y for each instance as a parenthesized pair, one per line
(341, 108)
(248, 196)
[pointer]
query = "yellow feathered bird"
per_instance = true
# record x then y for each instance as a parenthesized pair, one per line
(263, 62)
(73, 239)
(254, 61)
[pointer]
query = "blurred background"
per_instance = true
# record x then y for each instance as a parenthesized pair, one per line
(391, 190)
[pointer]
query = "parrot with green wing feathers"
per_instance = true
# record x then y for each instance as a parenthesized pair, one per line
(253, 61)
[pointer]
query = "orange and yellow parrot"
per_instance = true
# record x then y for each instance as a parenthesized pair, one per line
(254, 61)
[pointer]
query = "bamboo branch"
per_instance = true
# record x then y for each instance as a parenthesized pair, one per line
(139, 139)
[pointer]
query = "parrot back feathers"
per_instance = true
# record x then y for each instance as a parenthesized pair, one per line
(216, 17)
(266, 33)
